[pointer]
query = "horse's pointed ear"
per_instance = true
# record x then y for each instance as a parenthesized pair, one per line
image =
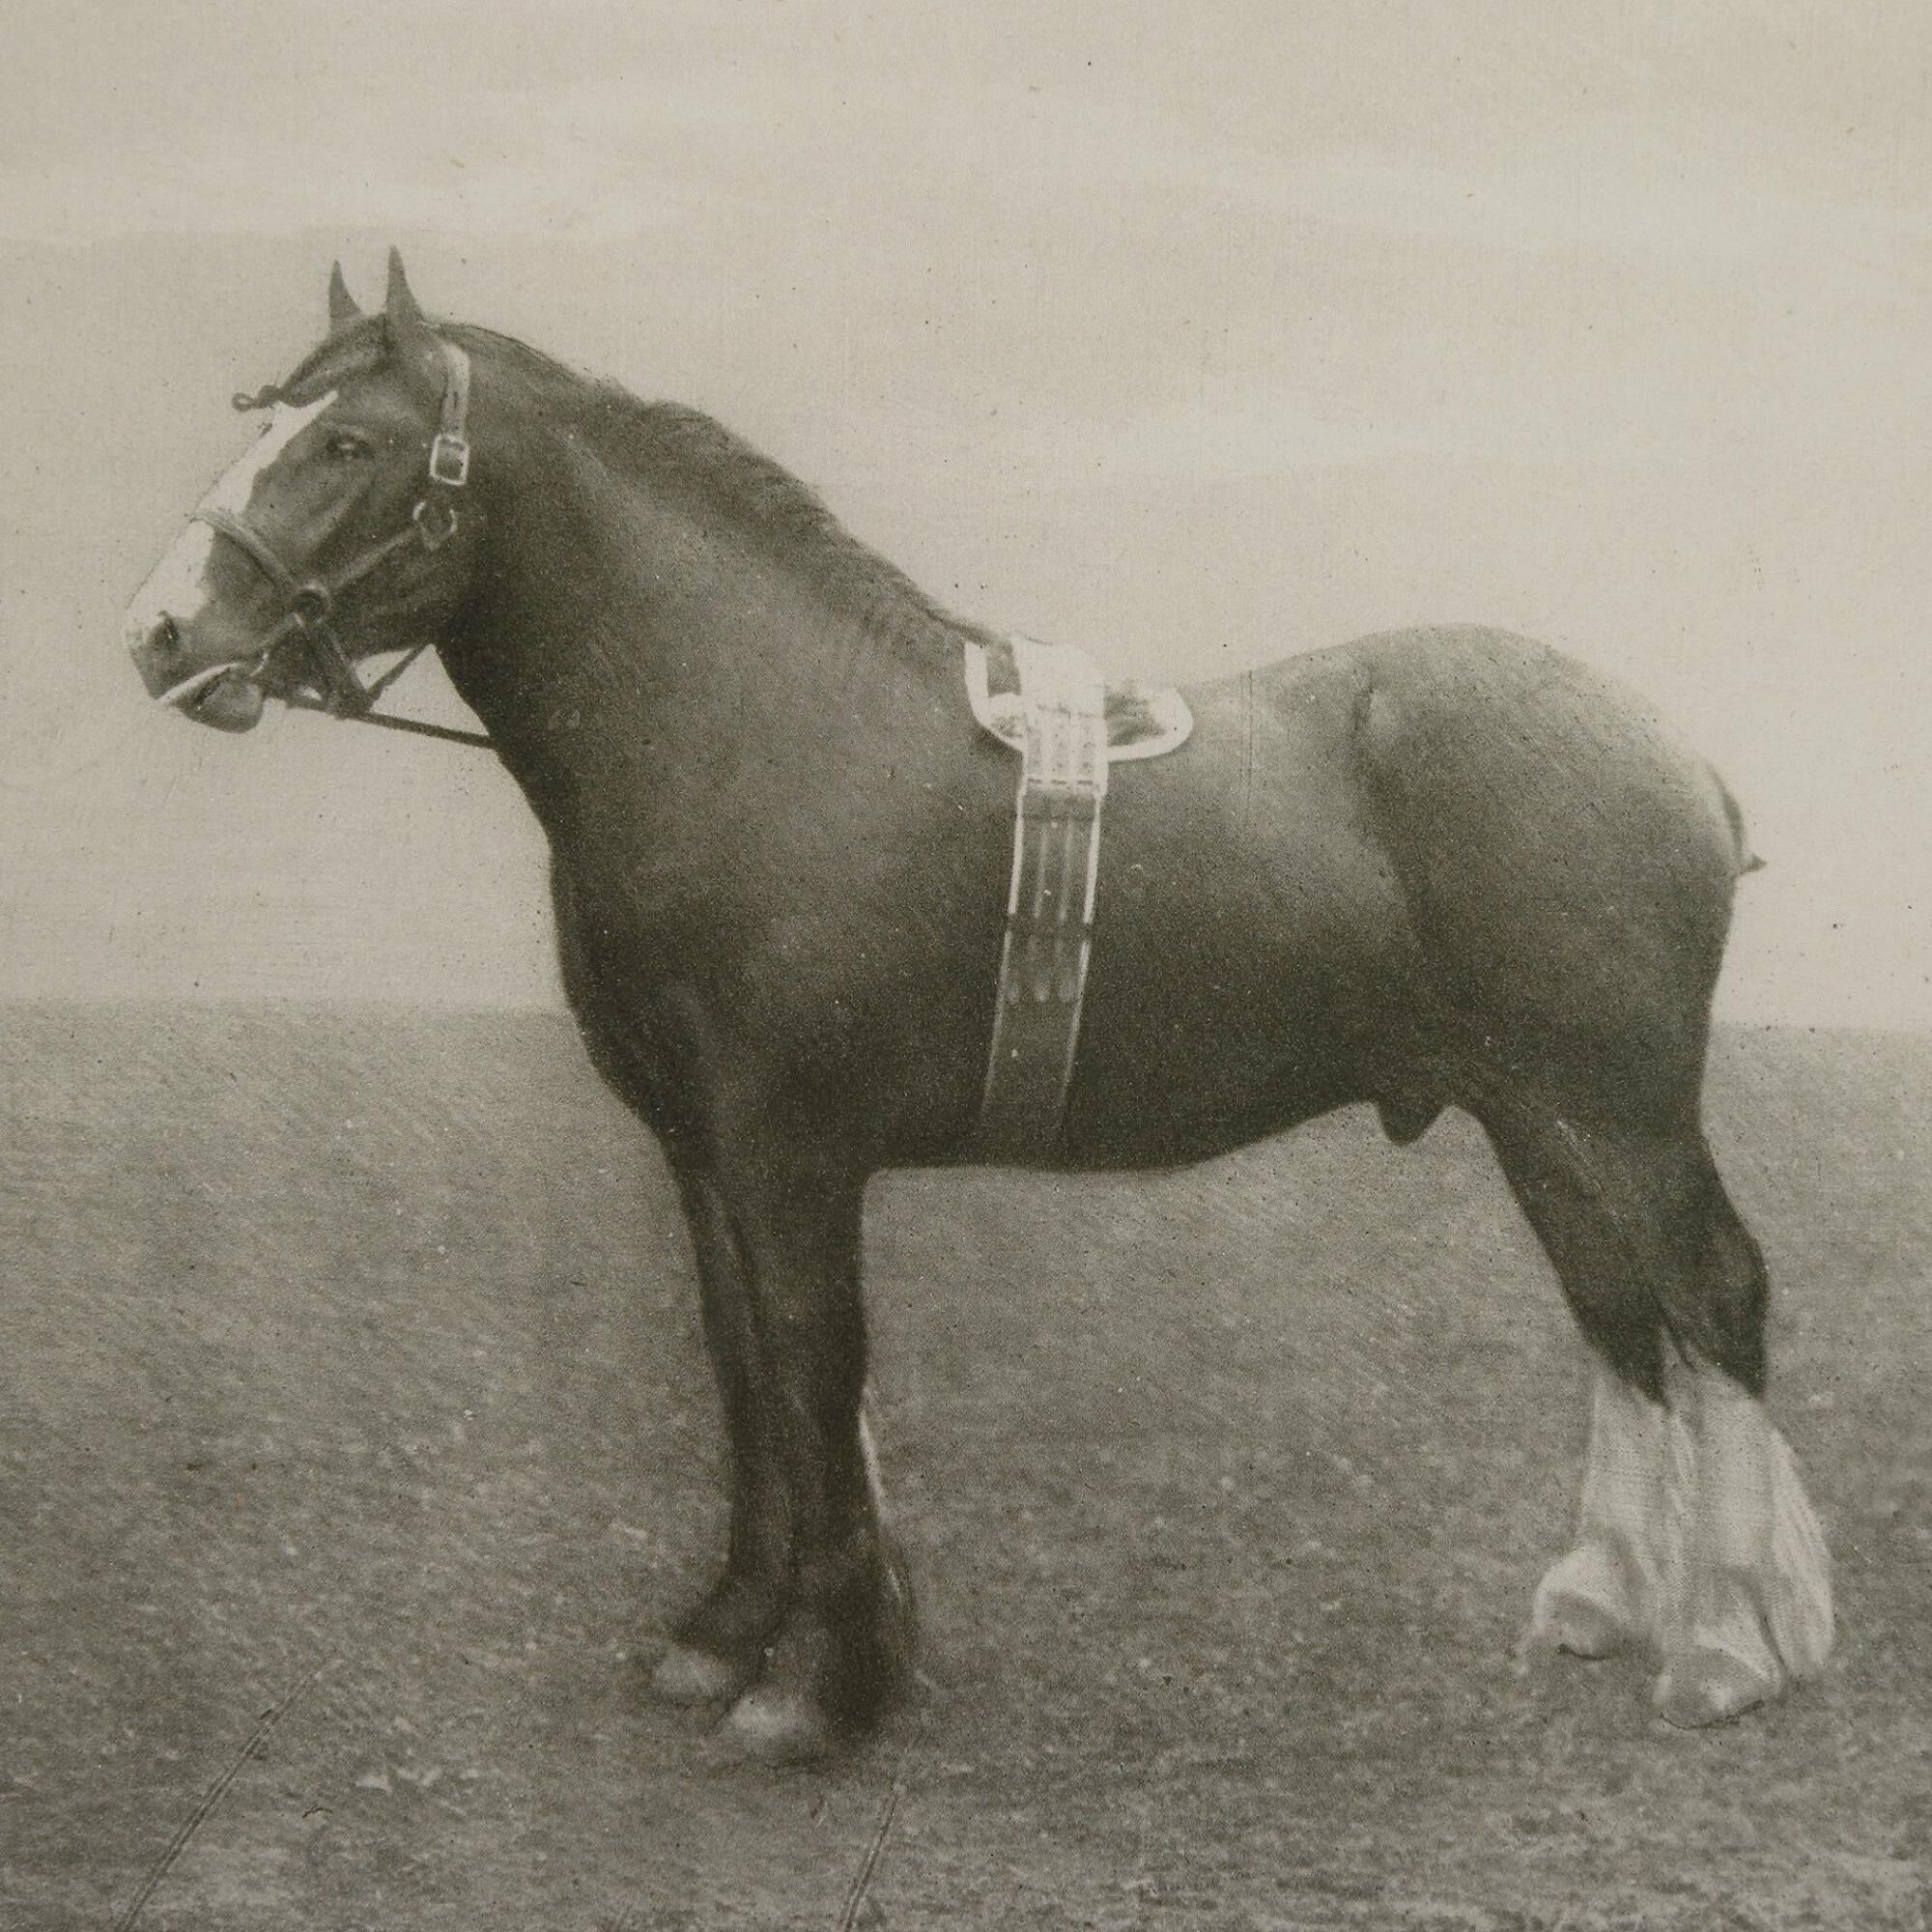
(401, 307)
(342, 306)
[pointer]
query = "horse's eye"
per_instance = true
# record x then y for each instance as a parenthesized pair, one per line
(345, 445)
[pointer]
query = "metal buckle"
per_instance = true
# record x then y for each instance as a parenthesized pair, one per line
(449, 460)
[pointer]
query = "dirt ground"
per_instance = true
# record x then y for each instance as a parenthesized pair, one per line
(352, 1404)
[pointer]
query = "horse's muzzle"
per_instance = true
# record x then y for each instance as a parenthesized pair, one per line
(155, 646)
(230, 702)
(224, 695)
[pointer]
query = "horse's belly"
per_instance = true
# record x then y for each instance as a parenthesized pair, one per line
(1249, 952)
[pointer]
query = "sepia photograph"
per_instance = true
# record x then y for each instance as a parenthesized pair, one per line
(966, 966)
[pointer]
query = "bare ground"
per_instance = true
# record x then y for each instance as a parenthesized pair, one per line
(351, 1376)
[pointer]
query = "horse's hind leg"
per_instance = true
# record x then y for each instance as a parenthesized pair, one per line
(1756, 1607)
(1605, 1595)
(1695, 1538)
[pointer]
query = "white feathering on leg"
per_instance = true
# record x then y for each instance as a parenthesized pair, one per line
(1674, 1530)
(1615, 1583)
(1757, 1587)
(1800, 1608)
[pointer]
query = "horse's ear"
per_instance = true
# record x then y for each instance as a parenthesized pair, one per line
(343, 307)
(402, 308)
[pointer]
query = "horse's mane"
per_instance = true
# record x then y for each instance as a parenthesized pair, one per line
(682, 450)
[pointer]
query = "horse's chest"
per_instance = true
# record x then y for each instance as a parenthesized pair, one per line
(620, 977)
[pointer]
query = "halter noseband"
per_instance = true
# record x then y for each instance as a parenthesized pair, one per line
(307, 618)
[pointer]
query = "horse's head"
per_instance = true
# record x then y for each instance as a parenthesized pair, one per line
(345, 530)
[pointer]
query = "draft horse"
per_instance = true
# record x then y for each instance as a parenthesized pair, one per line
(1442, 867)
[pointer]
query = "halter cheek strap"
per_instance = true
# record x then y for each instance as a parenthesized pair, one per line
(449, 453)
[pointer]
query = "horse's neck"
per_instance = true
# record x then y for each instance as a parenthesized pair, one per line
(621, 651)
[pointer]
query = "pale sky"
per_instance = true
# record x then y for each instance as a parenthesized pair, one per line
(1194, 336)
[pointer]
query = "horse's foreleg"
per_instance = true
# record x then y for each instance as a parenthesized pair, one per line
(813, 1604)
(845, 1651)
(717, 1648)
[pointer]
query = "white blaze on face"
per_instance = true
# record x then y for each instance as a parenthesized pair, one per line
(236, 489)
(178, 586)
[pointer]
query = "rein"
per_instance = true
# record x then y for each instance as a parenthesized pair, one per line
(309, 619)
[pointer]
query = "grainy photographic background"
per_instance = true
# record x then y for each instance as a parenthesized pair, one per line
(1193, 336)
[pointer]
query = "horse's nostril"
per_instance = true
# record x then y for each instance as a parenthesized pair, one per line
(163, 638)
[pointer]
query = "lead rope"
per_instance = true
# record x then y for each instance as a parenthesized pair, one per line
(302, 701)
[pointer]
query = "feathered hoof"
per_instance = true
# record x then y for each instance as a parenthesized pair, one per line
(1575, 1627)
(685, 1676)
(1582, 1608)
(1712, 1687)
(777, 1727)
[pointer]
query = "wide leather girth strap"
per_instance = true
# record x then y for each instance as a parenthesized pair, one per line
(1049, 903)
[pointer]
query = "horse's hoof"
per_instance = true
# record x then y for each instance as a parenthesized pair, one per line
(1581, 1606)
(1711, 1686)
(1575, 1627)
(777, 1727)
(687, 1676)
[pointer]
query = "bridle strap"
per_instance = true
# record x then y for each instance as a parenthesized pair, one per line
(449, 453)
(395, 670)
(311, 601)
(254, 547)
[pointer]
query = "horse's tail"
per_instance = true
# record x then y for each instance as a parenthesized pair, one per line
(1743, 859)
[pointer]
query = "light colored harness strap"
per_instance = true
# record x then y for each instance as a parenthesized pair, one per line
(1050, 903)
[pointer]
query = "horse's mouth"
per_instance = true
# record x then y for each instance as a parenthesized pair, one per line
(224, 695)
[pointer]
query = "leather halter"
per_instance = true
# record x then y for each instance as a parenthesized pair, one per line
(307, 621)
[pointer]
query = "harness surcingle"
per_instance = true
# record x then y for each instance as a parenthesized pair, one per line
(1054, 708)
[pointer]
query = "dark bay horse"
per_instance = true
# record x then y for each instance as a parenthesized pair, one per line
(1430, 869)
